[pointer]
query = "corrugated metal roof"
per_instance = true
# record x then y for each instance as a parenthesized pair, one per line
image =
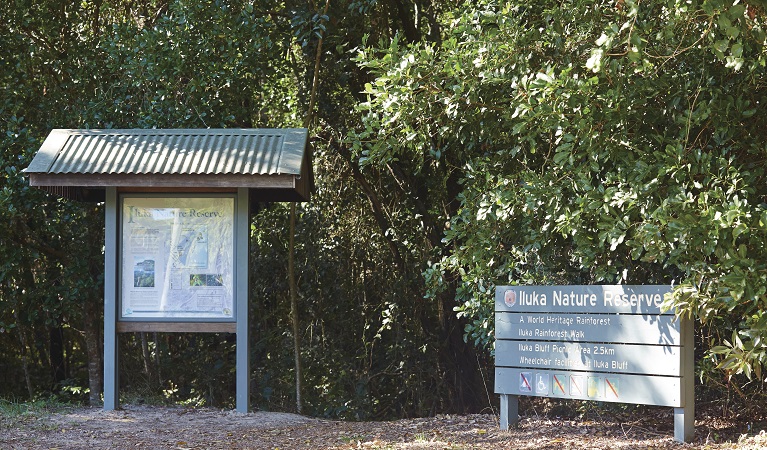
(172, 151)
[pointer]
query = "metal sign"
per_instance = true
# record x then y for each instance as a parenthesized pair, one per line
(603, 343)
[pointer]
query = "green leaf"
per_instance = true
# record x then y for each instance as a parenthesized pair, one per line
(721, 45)
(736, 50)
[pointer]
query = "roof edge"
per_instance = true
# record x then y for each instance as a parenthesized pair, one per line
(177, 131)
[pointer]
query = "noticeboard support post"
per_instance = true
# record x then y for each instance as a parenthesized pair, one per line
(242, 240)
(111, 343)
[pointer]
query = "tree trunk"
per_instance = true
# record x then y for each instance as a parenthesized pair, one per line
(24, 355)
(156, 341)
(291, 243)
(93, 345)
(294, 308)
(459, 360)
(56, 353)
(145, 356)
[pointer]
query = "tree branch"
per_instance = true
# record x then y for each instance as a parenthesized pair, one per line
(375, 204)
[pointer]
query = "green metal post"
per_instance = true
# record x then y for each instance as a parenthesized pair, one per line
(111, 385)
(684, 417)
(241, 253)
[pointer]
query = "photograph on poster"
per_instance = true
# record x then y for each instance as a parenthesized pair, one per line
(143, 272)
(177, 258)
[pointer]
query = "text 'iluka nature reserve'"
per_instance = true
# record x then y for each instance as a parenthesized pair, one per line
(613, 299)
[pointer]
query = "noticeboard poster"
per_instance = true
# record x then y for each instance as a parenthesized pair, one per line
(177, 258)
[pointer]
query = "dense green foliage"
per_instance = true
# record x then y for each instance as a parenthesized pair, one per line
(457, 147)
(630, 150)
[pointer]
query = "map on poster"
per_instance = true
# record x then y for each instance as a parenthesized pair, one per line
(177, 258)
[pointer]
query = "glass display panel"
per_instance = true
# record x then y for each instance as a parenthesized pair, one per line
(177, 258)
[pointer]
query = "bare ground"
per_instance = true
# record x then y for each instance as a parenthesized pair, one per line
(154, 427)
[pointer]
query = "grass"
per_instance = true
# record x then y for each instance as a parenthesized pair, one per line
(351, 439)
(12, 412)
(421, 438)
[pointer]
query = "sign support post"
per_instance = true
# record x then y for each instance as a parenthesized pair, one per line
(509, 411)
(684, 417)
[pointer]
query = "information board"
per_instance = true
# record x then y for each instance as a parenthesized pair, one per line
(586, 331)
(177, 258)
(604, 343)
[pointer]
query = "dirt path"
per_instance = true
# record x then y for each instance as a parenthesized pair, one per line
(142, 427)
